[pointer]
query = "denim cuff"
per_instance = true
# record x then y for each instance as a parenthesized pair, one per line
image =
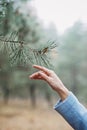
(73, 112)
(63, 106)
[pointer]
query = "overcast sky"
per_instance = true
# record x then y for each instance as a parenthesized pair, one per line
(64, 13)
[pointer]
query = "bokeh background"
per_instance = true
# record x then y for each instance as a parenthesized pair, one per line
(27, 104)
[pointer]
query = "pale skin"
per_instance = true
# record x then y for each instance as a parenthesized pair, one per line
(52, 79)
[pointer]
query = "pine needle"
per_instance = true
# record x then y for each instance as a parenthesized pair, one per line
(19, 52)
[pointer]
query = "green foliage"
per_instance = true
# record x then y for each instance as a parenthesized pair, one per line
(20, 54)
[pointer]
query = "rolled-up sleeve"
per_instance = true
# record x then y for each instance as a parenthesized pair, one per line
(73, 112)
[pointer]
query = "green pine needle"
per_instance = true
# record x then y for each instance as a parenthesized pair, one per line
(19, 52)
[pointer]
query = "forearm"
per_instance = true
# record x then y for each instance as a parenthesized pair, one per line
(73, 112)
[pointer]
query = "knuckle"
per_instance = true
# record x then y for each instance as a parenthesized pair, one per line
(43, 68)
(51, 71)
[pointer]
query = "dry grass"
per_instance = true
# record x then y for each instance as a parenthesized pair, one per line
(20, 116)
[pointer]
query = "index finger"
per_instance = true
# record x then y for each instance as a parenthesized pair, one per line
(45, 70)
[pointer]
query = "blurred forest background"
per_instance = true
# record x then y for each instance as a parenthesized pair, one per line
(18, 20)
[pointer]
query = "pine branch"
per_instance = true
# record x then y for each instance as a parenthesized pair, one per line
(19, 52)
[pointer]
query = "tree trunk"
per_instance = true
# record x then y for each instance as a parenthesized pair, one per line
(32, 95)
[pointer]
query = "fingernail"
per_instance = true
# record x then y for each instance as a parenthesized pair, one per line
(30, 77)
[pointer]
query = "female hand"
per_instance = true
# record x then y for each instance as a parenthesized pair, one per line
(52, 79)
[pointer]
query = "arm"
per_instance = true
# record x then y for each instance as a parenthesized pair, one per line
(73, 112)
(68, 106)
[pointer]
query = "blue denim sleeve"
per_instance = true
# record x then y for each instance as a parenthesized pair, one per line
(73, 112)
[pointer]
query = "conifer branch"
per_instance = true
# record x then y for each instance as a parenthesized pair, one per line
(19, 52)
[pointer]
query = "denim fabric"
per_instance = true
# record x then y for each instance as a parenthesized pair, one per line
(73, 112)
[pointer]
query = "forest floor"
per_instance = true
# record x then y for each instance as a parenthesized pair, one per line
(19, 115)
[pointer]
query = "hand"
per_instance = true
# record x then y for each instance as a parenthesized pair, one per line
(52, 79)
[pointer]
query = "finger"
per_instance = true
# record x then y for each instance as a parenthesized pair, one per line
(39, 75)
(47, 71)
(34, 75)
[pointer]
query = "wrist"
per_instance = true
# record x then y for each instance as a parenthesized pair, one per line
(63, 92)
